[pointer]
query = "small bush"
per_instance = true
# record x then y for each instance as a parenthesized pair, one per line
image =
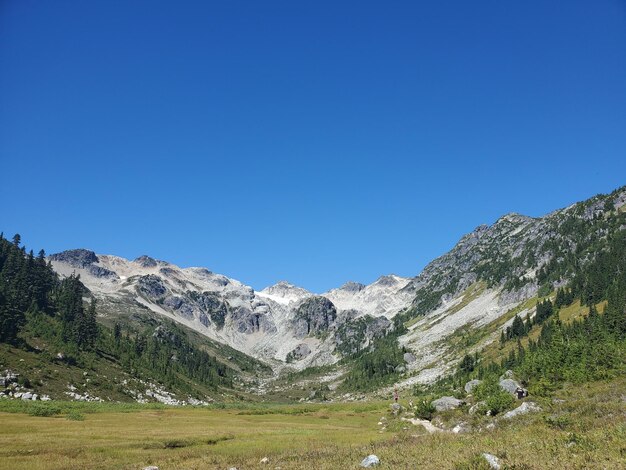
(44, 410)
(424, 409)
(496, 400)
(499, 402)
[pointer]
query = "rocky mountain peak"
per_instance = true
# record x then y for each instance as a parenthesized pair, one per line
(388, 280)
(351, 286)
(78, 258)
(145, 261)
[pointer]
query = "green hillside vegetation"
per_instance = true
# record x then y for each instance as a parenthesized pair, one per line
(46, 326)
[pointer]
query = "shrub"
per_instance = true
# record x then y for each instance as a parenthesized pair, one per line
(44, 410)
(424, 409)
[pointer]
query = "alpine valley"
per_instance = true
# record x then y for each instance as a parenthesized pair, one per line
(189, 335)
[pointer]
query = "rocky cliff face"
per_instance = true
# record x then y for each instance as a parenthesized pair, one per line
(280, 322)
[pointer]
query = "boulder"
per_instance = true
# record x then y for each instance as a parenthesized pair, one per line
(265, 460)
(27, 396)
(509, 385)
(370, 461)
(409, 358)
(396, 409)
(461, 428)
(526, 407)
(400, 369)
(446, 403)
(469, 386)
(492, 461)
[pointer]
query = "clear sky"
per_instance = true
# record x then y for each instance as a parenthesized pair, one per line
(317, 142)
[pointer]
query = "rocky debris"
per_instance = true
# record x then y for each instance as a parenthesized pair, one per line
(370, 461)
(314, 315)
(469, 386)
(299, 352)
(265, 460)
(509, 385)
(447, 403)
(526, 407)
(8, 378)
(409, 358)
(84, 397)
(492, 461)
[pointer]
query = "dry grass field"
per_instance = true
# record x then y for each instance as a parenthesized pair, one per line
(587, 429)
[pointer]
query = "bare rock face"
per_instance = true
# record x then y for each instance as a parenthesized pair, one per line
(78, 258)
(248, 321)
(314, 316)
(151, 286)
(83, 259)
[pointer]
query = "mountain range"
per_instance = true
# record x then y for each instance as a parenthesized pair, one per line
(493, 274)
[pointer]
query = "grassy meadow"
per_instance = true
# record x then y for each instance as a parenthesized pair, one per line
(582, 428)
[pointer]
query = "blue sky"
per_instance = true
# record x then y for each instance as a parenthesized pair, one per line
(318, 142)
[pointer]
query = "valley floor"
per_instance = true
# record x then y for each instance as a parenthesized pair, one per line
(583, 427)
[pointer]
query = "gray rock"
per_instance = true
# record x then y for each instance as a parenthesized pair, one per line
(145, 262)
(400, 369)
(151, 467)
(27, 396)
(396, 409)
(446, 403)
(509, 385)
(265, 460)
(493, 461)
(409, 358)
(461, 428)
(151, 286)
(370, 461)
(526, 407)
(315, 315)
(469, 386)
(79, 258)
